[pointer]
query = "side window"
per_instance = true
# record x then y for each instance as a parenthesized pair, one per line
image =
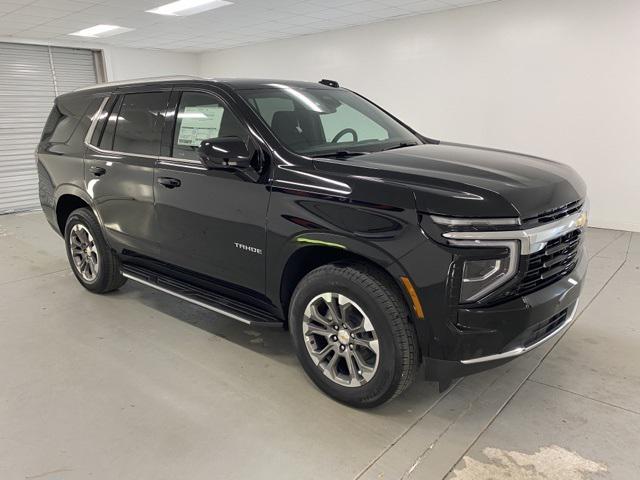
(202, 116)
(348, 117)
(138, 124)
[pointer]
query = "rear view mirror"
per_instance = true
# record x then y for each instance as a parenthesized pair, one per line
(224, 152)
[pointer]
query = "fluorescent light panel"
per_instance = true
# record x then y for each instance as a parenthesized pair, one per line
(188, 7)
(100, 31)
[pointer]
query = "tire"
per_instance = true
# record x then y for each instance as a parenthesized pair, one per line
(357, 293)
(82, 231)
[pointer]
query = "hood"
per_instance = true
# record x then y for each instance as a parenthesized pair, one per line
(463, 180)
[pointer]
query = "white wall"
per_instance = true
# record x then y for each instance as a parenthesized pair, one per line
(556, 78)
(128, 63)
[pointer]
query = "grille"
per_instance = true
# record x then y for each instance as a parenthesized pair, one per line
(556, 213)
(556, 260)
(546, 327)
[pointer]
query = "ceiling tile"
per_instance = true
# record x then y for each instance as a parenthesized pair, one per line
(19, 3)
(22, 19)
(8, 7)
(298, 20)
(61, 5)
(464, 3)
(363, 6)
(425, 6)
(12, 27)
(41, 12)
(242, 23)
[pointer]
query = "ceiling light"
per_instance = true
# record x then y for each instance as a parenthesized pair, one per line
(188, 7)
(99, 31)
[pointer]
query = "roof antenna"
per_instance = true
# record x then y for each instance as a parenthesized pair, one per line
(329, 83)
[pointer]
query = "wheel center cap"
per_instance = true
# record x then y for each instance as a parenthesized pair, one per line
(343, 337)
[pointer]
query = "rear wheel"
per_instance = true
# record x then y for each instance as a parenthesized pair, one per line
(94, 264)
(352, 334)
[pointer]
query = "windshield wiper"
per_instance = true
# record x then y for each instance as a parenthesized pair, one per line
(339, 154)
(400, 145)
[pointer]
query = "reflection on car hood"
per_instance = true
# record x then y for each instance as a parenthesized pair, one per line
(462, 180)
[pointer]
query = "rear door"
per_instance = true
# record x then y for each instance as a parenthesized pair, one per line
(119, 166)
(209, 221)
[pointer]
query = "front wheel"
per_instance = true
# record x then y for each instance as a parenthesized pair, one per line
(352, 334)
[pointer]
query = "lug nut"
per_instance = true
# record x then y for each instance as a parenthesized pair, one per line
(351, 346)
(334, 338)
(342, 348)
(335, 327)
(353, 335)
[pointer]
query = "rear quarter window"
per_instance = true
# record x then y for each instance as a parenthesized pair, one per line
(64, 118)
(52, 121)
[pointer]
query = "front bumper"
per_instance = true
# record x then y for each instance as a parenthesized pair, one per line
(483, 338)
(563, 319)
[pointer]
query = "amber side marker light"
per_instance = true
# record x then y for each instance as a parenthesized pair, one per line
(414, 296)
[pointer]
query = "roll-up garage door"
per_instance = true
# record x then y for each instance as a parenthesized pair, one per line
(30, 78)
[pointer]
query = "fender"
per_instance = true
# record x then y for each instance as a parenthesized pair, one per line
(344, 245)
(72, 189)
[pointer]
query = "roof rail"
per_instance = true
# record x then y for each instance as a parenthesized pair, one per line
(140, 81)
(329, 83)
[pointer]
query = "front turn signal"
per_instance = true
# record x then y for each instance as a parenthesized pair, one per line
(417, 307)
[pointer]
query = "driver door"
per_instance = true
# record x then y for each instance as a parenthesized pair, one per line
(212, 222)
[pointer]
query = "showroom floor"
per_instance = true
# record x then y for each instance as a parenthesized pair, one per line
(139, 385)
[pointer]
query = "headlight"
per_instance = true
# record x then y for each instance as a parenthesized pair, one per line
(481, 277)
(485, 274)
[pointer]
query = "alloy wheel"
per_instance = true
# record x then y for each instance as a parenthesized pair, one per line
(84, 252)
(341, 339)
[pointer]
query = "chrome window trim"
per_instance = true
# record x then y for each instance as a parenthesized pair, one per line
(521, 350)
(122, 154)
(94, 121)
(181, 162)
(172, 161)
(468, 222)
(531, 240)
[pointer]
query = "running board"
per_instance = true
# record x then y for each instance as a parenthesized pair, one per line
(204, 298)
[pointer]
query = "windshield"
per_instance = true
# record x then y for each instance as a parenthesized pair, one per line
(325, 122)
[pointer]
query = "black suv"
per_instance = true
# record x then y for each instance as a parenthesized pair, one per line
(306, 206)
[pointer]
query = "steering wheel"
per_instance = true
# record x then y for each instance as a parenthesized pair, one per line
(343, 132)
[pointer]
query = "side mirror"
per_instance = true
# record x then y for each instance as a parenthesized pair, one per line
(224, 152)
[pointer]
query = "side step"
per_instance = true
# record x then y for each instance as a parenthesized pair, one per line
(246, 314)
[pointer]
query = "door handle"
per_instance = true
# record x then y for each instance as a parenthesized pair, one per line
(97, 171)
(169, 182)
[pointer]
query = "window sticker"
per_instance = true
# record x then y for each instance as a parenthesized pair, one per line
(199, 123)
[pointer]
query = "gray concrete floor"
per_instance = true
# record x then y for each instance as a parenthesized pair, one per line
(138, 385)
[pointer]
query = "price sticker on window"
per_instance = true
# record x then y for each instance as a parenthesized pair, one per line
(199, 123)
